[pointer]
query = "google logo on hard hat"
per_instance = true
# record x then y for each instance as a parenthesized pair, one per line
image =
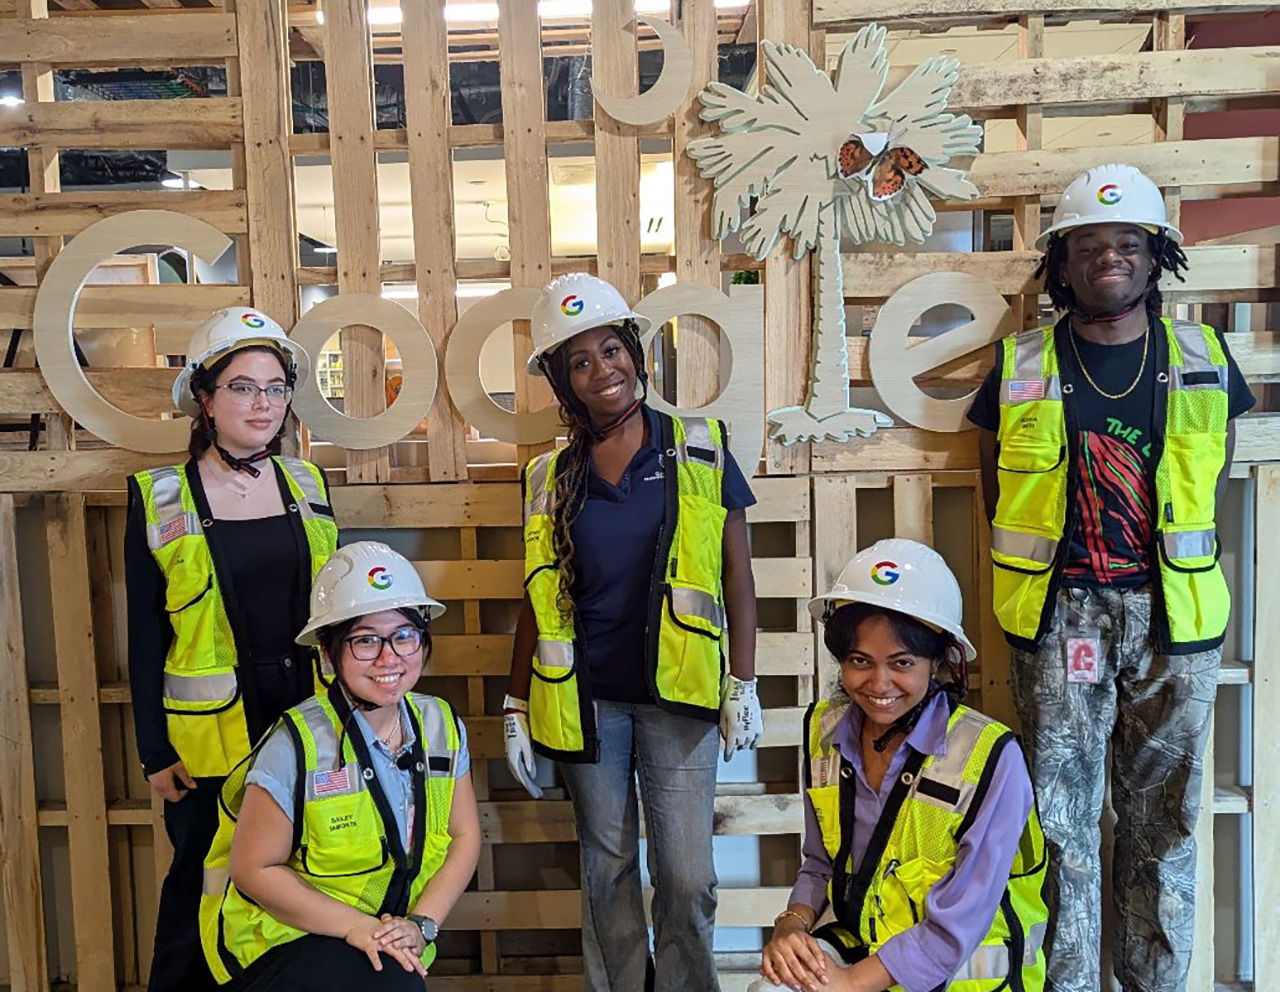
(885, 573)
(380, 578)
(1109, 195)
(252, 320)
(571, 306)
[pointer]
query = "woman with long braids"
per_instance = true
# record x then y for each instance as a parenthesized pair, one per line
(924, 864)
(637, 580)
(1106, 446)
(219, 557)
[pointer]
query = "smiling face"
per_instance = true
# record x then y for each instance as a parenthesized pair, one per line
(1108, 266)
(881, 675)
(385, 679)
(601, 373)
(246, 424)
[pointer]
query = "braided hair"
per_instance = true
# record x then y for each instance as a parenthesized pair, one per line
(574, 463)
(1166, 254)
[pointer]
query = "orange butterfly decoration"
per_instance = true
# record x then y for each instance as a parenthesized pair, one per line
(886, 172)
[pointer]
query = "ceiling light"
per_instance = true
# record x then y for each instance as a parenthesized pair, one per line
(400, 293)
(467, 13)
(550, 9)
(325, 250)
(319, 16)
(481, 289)
(179, 182)
(8, 100)
(385, 15)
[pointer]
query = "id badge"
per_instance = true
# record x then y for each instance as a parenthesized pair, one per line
(1083, 656)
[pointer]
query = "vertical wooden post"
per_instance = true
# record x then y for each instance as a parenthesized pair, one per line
(81, 744)
(524, 141)
(349, 83)
(1029, 122)
(697, 253)
(428, 113)
(1266, 731)
(614, 69)
(1200, 976)
(994, 658)
(835, 541)
(913, 508)
(1169, 34)
(788, 300)
(20, 877)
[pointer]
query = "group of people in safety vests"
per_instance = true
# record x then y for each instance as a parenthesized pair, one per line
(322, 812)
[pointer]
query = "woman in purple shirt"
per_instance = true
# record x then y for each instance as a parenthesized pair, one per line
(924, 864)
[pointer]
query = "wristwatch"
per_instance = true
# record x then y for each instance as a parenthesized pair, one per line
(428, 927)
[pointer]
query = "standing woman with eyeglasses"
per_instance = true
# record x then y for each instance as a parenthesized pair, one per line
(220, 553)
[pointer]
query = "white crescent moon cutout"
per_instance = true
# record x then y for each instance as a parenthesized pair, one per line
(668, 91)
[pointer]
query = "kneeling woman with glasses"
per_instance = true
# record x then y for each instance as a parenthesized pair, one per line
(348, 836)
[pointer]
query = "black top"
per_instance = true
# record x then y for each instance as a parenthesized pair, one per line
(1112, 537)
(614, 539)
(263, 568)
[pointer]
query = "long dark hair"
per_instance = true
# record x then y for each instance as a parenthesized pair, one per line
(574, 462)
(1166, 255)
(840, 635)
(203, 430)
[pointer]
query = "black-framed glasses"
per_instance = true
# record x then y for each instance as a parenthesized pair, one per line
(367, 647)
(246, 393)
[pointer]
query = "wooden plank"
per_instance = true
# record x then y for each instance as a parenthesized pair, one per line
(67, 471)
(1169, 33)
(913, 508)
(1201, 972)
(1029, 132)
(170, 124)
(135, 390)
(427, 113)
(81, 743)
(187, 39)
(617, 151)
(787, 282)
(67, 214)
(1266, 731)
(267, 165)
(835, 541)
(20, 873)
(177, 307)
(528, 211)
(697, 253)
(349, 83)
(834, 13)
(477, 136)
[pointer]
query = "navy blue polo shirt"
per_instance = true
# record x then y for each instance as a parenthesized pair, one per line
(615, 541)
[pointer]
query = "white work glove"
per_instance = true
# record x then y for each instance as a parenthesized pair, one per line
(741, 722)
(519, 746)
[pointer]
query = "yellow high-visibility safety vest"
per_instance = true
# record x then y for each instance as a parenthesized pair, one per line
(346, 840)
(202, 701)
(686, 630)
(914, 845)
(1038, 479)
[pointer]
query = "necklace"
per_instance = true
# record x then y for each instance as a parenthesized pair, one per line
(394, 733)
(1146, 347)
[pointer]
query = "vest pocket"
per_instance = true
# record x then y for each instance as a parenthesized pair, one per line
(900, 897)
(1194, 462)
(825, 800)
(1033, 482)
(698, 549)
(341, 837)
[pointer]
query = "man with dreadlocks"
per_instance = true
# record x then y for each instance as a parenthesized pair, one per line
(1106, 446)
(637, 578)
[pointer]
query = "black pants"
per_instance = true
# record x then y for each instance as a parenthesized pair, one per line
(178, 963)
(319, 964)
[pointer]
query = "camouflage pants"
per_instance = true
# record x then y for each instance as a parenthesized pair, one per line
(1154, 711)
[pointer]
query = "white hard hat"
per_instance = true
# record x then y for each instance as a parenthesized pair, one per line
(361, 578)
(1110, 194)
(228, 330)
(903, 576)
(572, 304)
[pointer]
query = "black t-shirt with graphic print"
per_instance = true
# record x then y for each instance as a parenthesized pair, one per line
(1111, 542)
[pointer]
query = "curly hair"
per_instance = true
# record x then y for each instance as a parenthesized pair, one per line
(1166, 254)
(574, 462)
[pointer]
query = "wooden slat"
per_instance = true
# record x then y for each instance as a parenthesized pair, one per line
(136, 391)
(20, 871)
(835, 541)
(835, 13)
(1266, 731)
(1029, 131)
(528, 211)
(187, 39)
(913, 508)
(427, 113)
(697, 253)
(67, 214)
(349, 83)
(176, 307)
(264, 157)
(81, 744)
(169, 124)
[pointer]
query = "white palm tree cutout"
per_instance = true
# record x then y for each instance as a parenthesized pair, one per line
(820, 161)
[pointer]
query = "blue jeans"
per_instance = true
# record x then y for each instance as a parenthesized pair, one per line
(675, 758)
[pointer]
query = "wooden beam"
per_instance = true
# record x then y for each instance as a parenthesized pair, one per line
(428, 110)
(56, 214)
(174, 307)
(835, 541)
(170, 124)
(186, 39)
(1029, 129)
(81, 743)
(837, 13)
(1266, 729)
(913, 508)
(20, 872)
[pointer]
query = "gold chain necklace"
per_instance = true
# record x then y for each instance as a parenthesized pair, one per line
(1146, 347)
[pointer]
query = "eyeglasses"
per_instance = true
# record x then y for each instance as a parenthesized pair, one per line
(246, 393)
(367, 647)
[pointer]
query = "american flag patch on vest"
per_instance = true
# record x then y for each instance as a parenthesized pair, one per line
(175, 528)
(1025, 390)
(327, 783)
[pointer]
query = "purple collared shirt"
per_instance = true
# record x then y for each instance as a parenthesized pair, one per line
(961, 906)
